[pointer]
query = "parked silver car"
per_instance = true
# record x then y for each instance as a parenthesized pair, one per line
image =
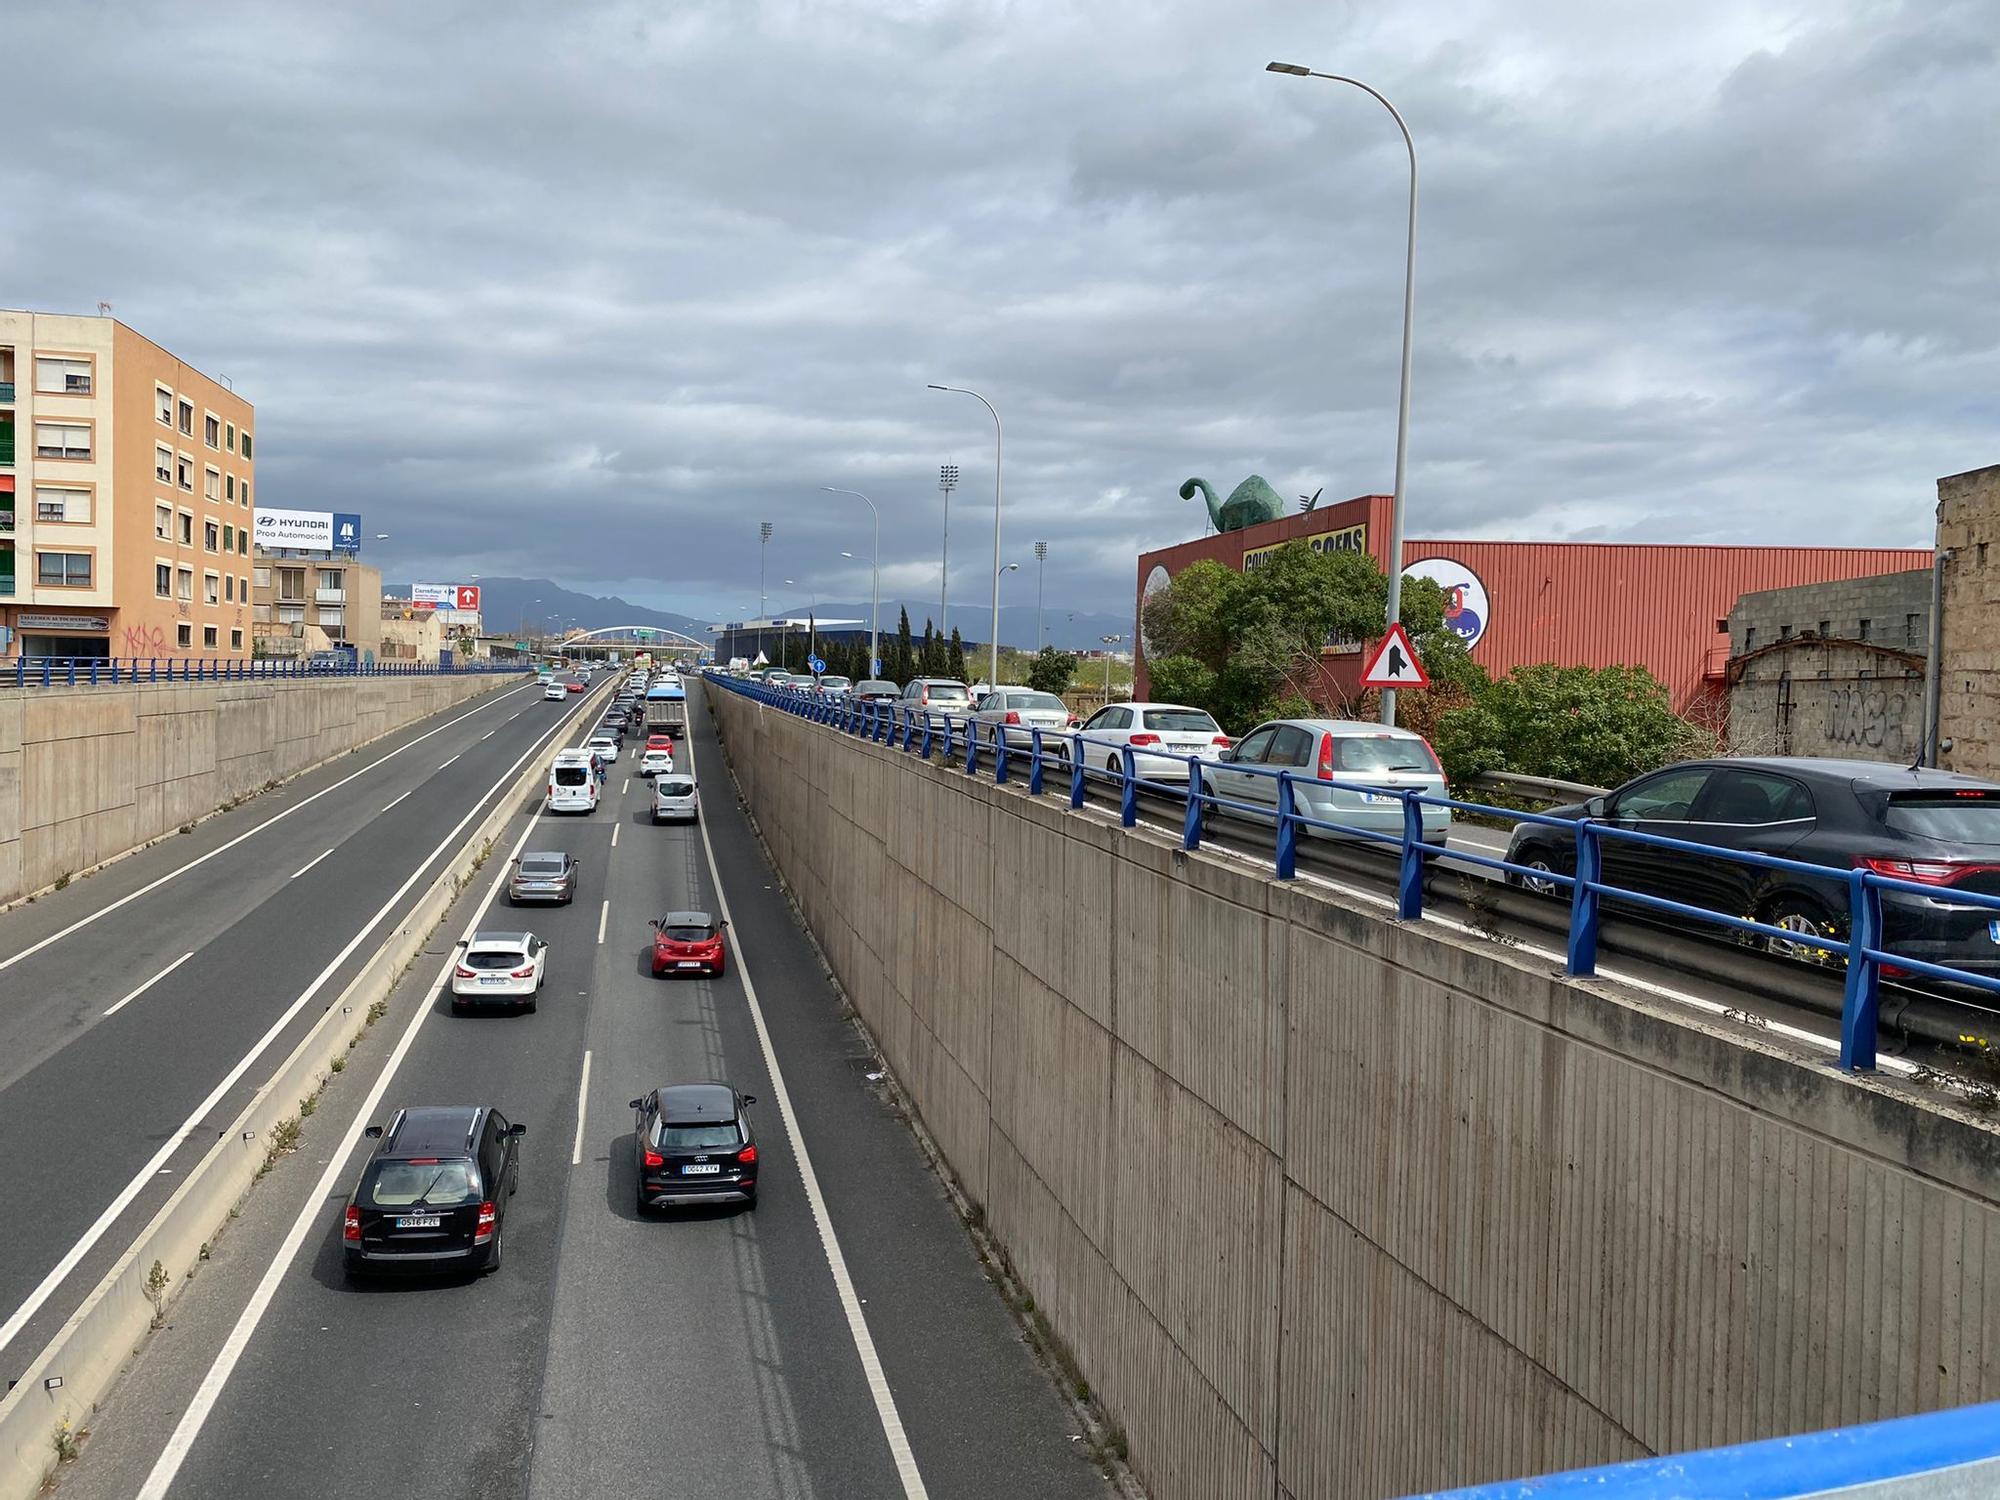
(1373, 762)
(1017, 712)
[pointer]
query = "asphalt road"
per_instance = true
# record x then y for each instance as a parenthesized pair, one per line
(118, 1037)
(706, 1352)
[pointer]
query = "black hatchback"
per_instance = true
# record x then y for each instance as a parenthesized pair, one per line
(692, 1143)
(1935, 828)
(434, 1193)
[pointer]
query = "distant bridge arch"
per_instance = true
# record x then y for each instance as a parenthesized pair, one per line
(635, 638)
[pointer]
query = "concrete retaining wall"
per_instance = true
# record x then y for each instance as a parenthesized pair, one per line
(1329, 1206)
(87, 774)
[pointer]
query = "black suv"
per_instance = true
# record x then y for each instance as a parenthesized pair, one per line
(434, 1193)
(1935, 828)
(692, 1143)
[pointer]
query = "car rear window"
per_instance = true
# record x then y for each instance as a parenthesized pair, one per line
(687, 933)
(704, 1136)
(1382, 752)
(541, 864)
(674, 788)
(496, 959)
(1038, 702)
(440, 1183)
(1968, 816)
(1186, 720)
(571, 775)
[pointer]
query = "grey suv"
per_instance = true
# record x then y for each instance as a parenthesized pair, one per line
(939, 694)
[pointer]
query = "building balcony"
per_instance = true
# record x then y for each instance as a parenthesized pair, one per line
(329, 596)
(6, 390)
(7, 521)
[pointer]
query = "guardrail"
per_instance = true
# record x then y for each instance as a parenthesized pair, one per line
(92, 671)
(920, 731)
(1544, 789)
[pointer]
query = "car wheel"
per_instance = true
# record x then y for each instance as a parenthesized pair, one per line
(750, 1203)
(1540, 864)
(354, 1268)
(492, 1257)
(1803, 915)
(640, 1205)
(1113, 767)
(457, 1006)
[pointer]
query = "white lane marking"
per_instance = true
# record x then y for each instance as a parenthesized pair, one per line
(850, 1301)
(399, 799)
(622, 790)
(161, 1479)
(489, 734)
(309, 864)
(614, 834)
(149, 984)
(455, 757)
(132, 1189)
(105, 911)
(582, 1100)
(603, 916)
(1616, 976)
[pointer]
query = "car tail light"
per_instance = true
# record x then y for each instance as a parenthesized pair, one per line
(527, 973)
(487, 1216)
(653, 1158)
(1135, 741)
(350, 1227)
(1222, 741)
(1013, 717)
(463, 972)
(1073, 722)
(747, 1156)
(1923, 871)
(1326, 757)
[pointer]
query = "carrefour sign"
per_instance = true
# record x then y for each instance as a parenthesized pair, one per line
(445, 595)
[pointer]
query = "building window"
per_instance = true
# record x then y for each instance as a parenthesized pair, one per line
(229, 488)
(187, 418)
(243, 541)
(63, 570)
(163, 405)
(246, 492)
(1749, 637)
(66, 505)
(1825, 628)
(208, 636)
(1913, 630)
(163, 522)
(163, 580)
(236, 640)
(211, 484)
(187, 528)
(246, 442)
(62, 440)
(1864, 629)
(228, 588)
(184, 473)
(291, 614)
(56, 376)
(292, 585)
(184, 635)
(210, 533)
(228, 538)
(230, 428)
(261, 613)
(329, 578)
(1784, 632)
(184, 584)
(211, 431)
(211, 588)
(263, 576)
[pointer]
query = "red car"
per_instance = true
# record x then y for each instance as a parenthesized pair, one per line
(575, 687)
(660, 742)
(687, 942)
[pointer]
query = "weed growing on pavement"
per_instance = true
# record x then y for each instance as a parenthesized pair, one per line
(156, 1292)
(68, 1441)
(62, 880)
(339, 1064)
(187, 828)
(377, 1011)
(307, 1105)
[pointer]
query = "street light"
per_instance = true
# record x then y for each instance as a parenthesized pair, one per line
(1041, 557)
(763, 599)
(875, 586)
(947, 481)
(993, 674)
(1109, 641)
(1395, 608)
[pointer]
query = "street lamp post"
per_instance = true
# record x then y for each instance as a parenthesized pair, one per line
(947, 481)
(875, 583)
(1395, 608)
(763, 598)
(993, 677)
(993, 674)
(1109, 642)
(812, 621)
(1041, 558)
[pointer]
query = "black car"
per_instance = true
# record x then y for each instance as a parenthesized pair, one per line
(1935, 828)
(434, 1193)
(692, 1143)
(546, 875)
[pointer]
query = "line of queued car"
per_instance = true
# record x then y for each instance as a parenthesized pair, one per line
(433, 1193)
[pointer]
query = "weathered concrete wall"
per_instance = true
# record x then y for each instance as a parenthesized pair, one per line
(1330, 1206)
(1968, 525)
(89, 773)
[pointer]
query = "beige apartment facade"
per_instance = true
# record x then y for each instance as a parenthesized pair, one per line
(314, 602)
(126, 496)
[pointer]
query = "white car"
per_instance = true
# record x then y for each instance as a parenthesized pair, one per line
(498, 968)
(605, 746)
(654, 762)
(555, 692)
(675, 799)
(1172, 731)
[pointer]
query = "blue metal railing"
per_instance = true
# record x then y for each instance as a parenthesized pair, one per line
(1938, 1454)
(919, 731)
(93, 671)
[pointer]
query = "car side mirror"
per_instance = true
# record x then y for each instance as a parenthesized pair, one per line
(1596, 807)
(517, 1131)
(373, 1132)
(1228, 753)
(723, 923)
(654, 924)
(637, 1104)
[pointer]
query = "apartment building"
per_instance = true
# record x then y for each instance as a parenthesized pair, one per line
(302, 602)
(126, 502)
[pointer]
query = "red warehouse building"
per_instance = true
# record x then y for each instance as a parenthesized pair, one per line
(1593, 604)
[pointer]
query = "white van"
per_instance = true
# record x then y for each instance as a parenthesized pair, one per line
(674, 798)
(572, 786)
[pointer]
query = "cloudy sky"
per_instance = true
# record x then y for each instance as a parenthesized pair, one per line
(588, 290)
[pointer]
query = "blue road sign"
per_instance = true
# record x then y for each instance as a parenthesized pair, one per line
(817, 666)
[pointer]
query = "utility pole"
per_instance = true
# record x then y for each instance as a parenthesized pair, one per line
(763, 598)
(1041, 557)
(947, 481)
(1110, 642)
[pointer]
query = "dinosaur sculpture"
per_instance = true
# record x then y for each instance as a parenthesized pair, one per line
(1250, 504)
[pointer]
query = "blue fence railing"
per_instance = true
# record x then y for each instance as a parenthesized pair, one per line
(966, 741)
(91, 671)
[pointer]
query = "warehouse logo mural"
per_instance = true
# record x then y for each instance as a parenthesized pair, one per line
(1467, 611)
(1155, 581)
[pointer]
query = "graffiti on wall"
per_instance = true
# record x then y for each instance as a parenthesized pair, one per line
(1874, 720)
(145, 640)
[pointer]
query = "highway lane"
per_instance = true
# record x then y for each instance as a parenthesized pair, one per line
(267, 937)
(702, 1353)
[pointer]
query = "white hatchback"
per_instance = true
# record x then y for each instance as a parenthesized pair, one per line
(1171, 732)
(675, 798)
(555, 692)
(498, 968)
(654, 762)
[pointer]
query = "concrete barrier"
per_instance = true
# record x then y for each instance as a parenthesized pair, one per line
(94, 1344)
(1328, 1205)
(88, 774)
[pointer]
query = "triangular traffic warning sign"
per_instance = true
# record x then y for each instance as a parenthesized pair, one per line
(1395, 664)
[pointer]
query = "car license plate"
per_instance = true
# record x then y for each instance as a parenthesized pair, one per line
(420, 1221)
(491, 979)
(1993, 930)
(1376, 797)
(696, 1169)
(688, 963)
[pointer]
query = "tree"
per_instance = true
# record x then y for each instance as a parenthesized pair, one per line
(1598, 725)
(1051, 670)
(935, 657)
(901, 664)
(955, 658)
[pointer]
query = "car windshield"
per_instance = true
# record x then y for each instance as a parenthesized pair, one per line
(698, 1137)
(1381, 752)
(1182, 720)
(1037, 702)
(433, 1183)
(833, 682)
(875, 685)
(1969, 816)
(571, 775)
(687, 932)
(496, 959)
(541, 864)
